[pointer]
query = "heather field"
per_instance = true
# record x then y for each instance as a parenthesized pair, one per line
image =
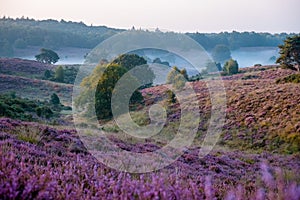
(26, 79)
(256, 157)
(45, 163)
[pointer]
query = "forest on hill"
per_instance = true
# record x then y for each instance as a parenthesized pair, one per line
(22, 32)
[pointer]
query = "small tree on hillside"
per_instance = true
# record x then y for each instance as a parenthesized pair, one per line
(47, 74)
(231, 67)
(105, 88)
(177, 77)
(55, 99)
(290, 53)
(59, 74)
(47, 56)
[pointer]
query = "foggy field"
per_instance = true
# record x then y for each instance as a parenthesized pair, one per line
(246, 56)
(250, 56)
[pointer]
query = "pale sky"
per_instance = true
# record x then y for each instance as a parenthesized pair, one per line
(176, 15)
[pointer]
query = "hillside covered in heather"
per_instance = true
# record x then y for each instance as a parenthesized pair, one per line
(256, 157)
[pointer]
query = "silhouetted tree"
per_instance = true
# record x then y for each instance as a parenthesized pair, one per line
(47, 74)
(55, 99)
(290, 53)
(47, 56)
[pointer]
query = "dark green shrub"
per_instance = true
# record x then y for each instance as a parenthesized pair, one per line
(294, 78)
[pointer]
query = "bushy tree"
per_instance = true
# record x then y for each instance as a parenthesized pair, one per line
(47, 74)
(47, 56)
(231, 67)
(290, 53)
(59, 74)
(177, 77)
(105, 88)
(55, 99)
(221, 53)
(109, 75)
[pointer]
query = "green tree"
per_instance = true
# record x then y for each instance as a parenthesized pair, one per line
(129, 61)
(290, 53)
(231, 67)
(59, 74)
(105, 88)
(47, 56)
(47, 74)
(221, 53)
(109, 75)
(55, 99)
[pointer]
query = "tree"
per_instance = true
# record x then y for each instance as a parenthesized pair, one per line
(221, 53)
(177, 77)
(59, 74)
(47, 56)
(105, 89)
(174, 72)
(55, 99)
(103, 80)
(231, 67)
(47, 74)
(129, 61)
(290, 53)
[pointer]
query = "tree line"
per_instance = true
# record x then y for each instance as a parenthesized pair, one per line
(23, 32)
